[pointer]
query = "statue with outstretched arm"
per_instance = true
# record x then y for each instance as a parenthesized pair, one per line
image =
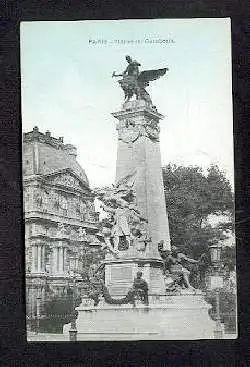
(174, 262)
(131, 70)
(134, 82)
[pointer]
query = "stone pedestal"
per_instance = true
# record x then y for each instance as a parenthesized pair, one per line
(183, 317)
(138, 154)
(120, 274)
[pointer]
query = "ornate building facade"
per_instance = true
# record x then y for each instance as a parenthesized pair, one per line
(60, 218)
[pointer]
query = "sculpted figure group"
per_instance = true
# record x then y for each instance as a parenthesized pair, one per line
(124, 227)
(138, 291)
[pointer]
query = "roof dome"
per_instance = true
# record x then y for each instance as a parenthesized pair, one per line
(43, 154)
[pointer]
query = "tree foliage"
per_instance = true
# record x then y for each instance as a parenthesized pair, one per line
(90, 259)
(191, 197)
(227, 307)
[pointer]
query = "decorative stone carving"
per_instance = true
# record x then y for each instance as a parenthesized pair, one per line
(152, 130)
(38, 229)
(63, 203)
(140, 237)
(66, 180)
(62, 231)
(82, 234)
(92, 239)
(37, 197)
(128, 131)
(54, 197)
(44, 196)
(28, 198)
(82, 207)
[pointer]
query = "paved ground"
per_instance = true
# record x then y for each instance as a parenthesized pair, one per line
(33, 337)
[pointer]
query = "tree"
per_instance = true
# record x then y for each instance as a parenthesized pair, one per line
(228, 309)
(90, 259)
(191, 197)
(58, 311)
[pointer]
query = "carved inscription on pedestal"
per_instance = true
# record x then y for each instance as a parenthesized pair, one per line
(121, 273)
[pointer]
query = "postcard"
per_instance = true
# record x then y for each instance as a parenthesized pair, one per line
(128, 180)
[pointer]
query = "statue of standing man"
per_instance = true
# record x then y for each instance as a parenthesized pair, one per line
(120, 227)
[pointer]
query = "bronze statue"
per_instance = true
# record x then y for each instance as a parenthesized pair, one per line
(175, 265)
(134, 82)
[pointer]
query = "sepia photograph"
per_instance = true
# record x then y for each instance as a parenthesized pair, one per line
(128, 180)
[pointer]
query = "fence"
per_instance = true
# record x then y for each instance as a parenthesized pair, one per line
(50, 315)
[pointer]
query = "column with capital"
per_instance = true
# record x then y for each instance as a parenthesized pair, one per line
(33, 258)
(65, 259)
(54, 260)
(40, 257)
(61, 259)
(43, 258)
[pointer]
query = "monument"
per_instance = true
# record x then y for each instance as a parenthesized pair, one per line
(136, 225)
(139, 167)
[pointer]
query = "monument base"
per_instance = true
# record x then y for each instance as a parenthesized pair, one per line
(120, 274)
(179, 317)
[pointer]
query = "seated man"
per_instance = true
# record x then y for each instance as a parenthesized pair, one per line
(174, 263)
(140, 287)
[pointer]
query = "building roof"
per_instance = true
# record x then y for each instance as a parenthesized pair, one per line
(44, 154)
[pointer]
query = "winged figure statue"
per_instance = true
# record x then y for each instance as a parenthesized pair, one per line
(134, 82)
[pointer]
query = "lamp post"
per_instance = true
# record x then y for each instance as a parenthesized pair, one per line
(73, 330)
(216, 283)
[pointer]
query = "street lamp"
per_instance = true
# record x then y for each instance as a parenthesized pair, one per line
(73, 330)
(215, 253)
(216, 283)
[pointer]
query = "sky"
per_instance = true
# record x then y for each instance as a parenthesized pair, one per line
(67, 87)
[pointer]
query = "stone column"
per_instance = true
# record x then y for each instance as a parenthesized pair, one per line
(138, 154)
(40, 258)
(33, 258)
(65, 259)
(43, 257)
(54, 260)
(59, 253)
(60, 265)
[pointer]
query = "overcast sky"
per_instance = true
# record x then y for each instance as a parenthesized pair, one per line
(67, 87)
